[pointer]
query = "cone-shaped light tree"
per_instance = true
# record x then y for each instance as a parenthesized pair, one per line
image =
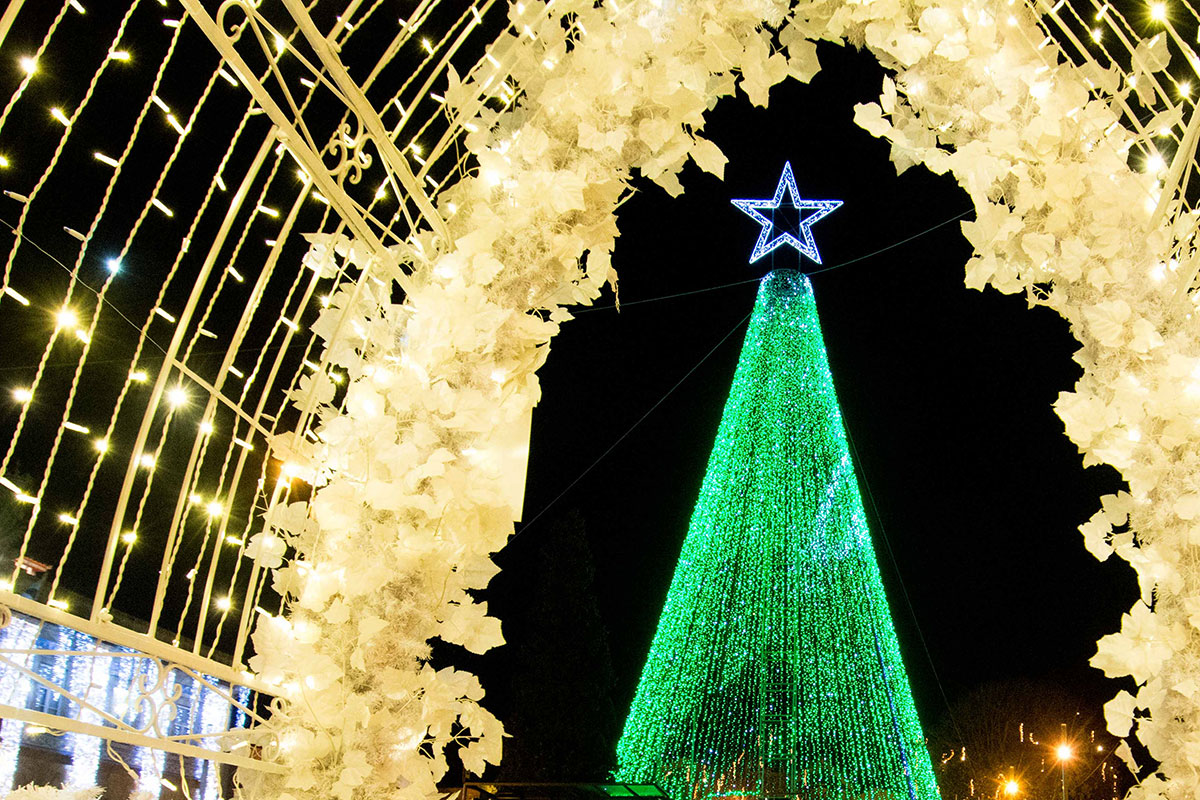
(775, 669)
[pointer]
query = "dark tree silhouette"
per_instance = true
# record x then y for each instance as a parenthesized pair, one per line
(552, 683)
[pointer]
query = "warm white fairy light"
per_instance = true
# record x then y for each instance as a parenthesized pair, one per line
(206, 428)
(22, 395)
(214, 509)
(75, 4)
(270, 212)
(165, 315)
(233, 273)
(147, 461)
(68, 519)
(1155, 164)
(129, 537)
(15, 295)
(162, 207)
(138, 376)
(233, 541)
(427, 45)
(242, 443)
(113, 264)
(174, 123)
(232, 81)
(103, 159)
(223, 603)
(29, 64)
(177, 397)
(381, 192)
(3, 161)
(75, 426)
(1158, 12)
(66, 318)
(58, 114)
(101, 445)
(280, 43)
(119, 55)
(1185, 88)
(61, 605)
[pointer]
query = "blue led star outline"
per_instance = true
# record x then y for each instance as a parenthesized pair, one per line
(808, 247)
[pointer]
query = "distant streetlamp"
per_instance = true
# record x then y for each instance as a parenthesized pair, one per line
(1065, 753)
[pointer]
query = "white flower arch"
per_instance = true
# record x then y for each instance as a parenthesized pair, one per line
(408, 510)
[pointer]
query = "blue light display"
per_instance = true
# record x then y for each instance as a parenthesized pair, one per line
(765, 244)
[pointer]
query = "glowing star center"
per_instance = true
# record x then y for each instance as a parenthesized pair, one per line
(805, 243)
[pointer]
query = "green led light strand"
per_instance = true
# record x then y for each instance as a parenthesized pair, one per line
(775, 670)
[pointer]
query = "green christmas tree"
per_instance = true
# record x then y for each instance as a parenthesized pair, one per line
(775, 670)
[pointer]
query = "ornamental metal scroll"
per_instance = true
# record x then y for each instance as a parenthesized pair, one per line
(62, 680)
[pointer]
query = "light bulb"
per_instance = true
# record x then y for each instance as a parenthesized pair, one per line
(177, 397)
(29, 64)
(66, 318)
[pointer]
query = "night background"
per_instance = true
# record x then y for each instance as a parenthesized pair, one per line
(973, 492)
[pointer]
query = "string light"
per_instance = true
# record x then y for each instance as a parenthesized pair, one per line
(765, 244)
(113, 264)
(223, 604)
(138, 376)
(775, 669)
(129, 537)
(101, 445)
(214, 509)
(177, 397)
(58, 114)
(119, 55)
(147, 461)
(1158, 12)
(29, 64)
(22, 394)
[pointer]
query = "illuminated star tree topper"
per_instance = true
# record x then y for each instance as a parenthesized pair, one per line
(765, 244)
